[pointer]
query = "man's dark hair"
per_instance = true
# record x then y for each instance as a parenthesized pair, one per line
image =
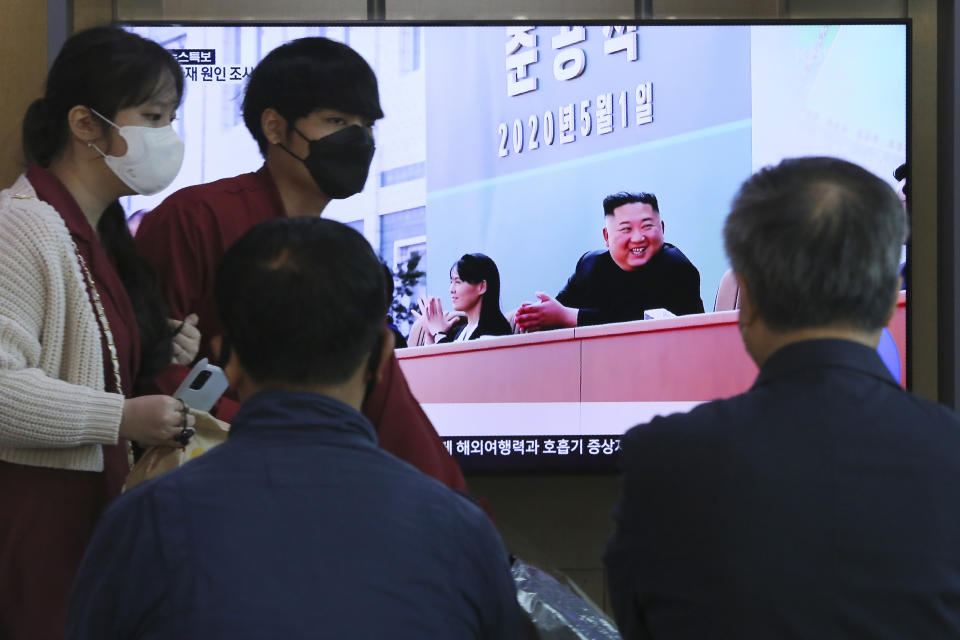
(308, 74)
(301, 300)
(817, 242)
(615, 200)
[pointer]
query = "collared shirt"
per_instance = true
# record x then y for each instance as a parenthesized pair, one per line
(186, 235)
(298, 526)
(465, 333)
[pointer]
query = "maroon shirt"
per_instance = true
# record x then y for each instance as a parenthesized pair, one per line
(186, 237)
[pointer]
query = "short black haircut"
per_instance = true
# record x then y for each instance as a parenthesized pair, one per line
(900, 173)
(301, 300)
(817, 242)
(615, 200)
(308, 74)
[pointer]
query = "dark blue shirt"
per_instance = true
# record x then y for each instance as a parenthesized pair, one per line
(821, 503)
(297, 527)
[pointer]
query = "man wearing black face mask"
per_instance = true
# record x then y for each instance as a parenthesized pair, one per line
(338, 162)
(310, 104)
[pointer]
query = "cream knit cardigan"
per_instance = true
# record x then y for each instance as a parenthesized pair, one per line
(54, 411)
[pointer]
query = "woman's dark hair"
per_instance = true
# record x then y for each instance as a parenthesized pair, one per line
(308, 74)
(109, 69)
(104, 68)
(476, 268)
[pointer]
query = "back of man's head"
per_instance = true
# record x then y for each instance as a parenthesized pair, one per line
(301, 301)
(817, 243)
(621, 198)
(308, 74)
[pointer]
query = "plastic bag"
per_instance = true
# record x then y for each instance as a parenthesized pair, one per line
(557, 612)
(158, 460)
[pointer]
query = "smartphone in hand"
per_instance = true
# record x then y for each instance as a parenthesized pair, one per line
(202, 388)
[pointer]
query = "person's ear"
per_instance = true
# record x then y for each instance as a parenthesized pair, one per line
(273, 125)
(748, 311)
(483, 287)
(663, 227)
(754, 332)
(606, 239)
(84, 125)
(236, 375)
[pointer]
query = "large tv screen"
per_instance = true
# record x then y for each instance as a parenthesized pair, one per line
(504, 139)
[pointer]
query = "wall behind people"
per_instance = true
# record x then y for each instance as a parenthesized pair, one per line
(24, 58)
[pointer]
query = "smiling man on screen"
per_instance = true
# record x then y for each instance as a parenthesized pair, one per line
(637, 272)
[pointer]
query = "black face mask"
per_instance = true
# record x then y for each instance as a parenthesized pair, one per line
(340, 161)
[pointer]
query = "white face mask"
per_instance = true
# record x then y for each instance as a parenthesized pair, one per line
(153, 158)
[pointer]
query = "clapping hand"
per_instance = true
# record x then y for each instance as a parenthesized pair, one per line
(547, 313)
(433, 316)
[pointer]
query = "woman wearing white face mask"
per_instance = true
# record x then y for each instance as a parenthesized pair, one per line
(82, 325)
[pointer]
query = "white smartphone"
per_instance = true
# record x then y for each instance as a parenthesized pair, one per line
(203, 387)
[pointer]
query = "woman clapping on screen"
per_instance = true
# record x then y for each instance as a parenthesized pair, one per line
(475, 293)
